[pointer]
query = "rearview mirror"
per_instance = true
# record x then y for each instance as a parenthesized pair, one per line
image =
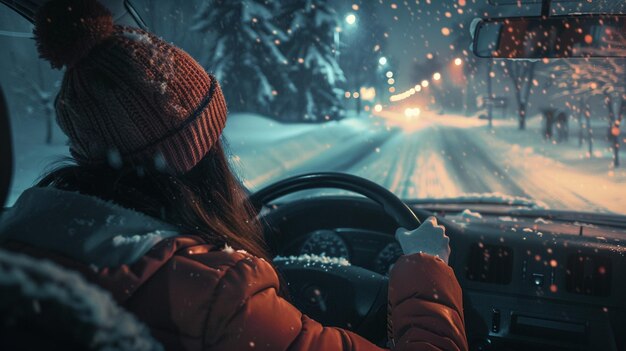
(552, 37)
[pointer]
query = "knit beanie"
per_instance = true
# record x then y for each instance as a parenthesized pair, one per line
(128, 98)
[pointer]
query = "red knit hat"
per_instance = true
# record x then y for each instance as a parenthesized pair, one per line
(127, 98)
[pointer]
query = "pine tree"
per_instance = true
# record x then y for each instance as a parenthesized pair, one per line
(314, 69)
(245, 52)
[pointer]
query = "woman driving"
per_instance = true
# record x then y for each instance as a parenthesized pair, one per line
(150, 210)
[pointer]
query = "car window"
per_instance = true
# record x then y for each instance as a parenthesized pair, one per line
(12, 25)
(386, 90)
(30, 86)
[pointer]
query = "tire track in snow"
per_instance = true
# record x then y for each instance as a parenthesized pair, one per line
(432, 175)
(478, 172)
(339, 148)
(349, 161)
(386, 167)
(396, 172)
(419, 163)
(377, 166)
(436, 161)
(411, 166)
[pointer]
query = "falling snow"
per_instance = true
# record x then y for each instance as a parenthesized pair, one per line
(387, 91)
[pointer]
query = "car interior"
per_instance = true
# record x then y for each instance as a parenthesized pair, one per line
(532, 278)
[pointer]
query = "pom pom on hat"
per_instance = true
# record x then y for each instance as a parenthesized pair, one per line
(66, 30)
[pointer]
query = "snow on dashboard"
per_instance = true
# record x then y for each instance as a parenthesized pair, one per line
(502, 198)
(313, 259)
(469, 214)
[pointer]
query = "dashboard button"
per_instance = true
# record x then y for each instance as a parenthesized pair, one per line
(537, 279)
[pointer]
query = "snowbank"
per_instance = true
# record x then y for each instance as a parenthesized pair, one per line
(264, 150)
(258, 129)
(563, 175)
(469, 214)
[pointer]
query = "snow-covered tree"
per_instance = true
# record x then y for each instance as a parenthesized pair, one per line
(313, 66)
(522, 74)
(561, 75)
(581, 79)
(244, 53)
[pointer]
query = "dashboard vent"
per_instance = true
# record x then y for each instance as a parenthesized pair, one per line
(588, 275)
(490, 264)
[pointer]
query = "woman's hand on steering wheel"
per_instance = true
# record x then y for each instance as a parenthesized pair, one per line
(429, 238)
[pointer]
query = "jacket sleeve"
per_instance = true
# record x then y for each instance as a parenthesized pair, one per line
(247, 314)
(426, 305)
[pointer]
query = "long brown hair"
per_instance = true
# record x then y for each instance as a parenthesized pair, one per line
(208, 201)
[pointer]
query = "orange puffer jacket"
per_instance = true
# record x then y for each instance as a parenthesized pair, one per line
(194, 296)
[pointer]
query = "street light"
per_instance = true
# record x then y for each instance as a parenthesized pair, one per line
(437, 76)
(382, 61)
(458, 61)
(351, 19)
(425, 83)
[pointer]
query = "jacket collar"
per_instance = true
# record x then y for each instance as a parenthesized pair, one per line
(84, 228)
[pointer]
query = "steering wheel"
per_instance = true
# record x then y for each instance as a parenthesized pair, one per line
(332, 291)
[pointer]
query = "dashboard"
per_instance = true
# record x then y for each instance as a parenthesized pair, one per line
(368, 249)
(529, 281)
(532, 282)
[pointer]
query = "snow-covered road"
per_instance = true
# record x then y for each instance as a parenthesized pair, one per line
(444, 157)
(437, 161)
(433, 156)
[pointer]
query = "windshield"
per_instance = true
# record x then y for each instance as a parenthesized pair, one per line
(385, 90)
